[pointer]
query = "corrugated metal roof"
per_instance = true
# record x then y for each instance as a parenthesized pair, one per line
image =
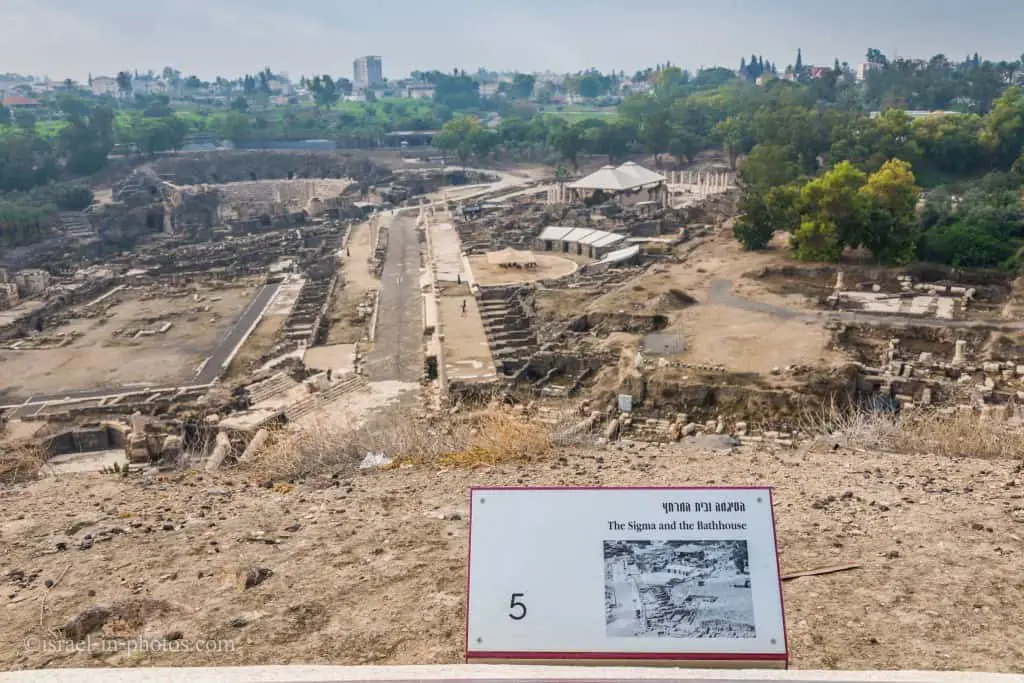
(587, 236)
(594, 236)
(607, 240)
(555, 233)
(621, 254)
(577, 234)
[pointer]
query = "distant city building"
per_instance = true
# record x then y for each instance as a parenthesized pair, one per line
(18, 102)
(367, 72)
(104, 85)
(145, 86)
(280, 86)
(921, 113)
(862, 71)
(420, 91)
(489, 89)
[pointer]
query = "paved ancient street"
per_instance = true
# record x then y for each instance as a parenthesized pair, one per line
(398, 346)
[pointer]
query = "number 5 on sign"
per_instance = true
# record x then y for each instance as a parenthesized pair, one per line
(517, 604)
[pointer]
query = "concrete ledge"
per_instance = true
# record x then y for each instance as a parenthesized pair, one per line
(486, 674)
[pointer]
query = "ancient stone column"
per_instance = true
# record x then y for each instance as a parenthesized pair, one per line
(839, 281)
(891, 352)
(960, 352)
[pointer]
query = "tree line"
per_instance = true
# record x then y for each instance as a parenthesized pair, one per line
(784, 128)
(815, 161)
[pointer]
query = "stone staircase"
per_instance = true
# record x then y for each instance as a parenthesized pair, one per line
(349, 384)
(509, 332)
(275, 385)
(76, 225)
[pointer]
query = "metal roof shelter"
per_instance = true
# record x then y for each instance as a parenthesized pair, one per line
(621, 255)
(628, 176)
(588, 236)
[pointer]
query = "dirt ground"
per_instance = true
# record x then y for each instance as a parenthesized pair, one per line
(741, 340)
(548, 267)
(467, 352)
(344, 325)
(98, 359)
(370, 569)
(259, 342)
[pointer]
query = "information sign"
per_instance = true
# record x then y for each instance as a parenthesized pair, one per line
(678, 576)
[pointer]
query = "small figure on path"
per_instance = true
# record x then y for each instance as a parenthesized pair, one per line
(463, 308)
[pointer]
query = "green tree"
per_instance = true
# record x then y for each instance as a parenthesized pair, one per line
(833, 203)
(483, 143)
(765, 211)
(731, 134)
(656, 130)
(23, 223)
(950, 143)
(235, 127)
(124, 83)
(69, 196)
(522, 86)
(890, 228)
(965, 246)
(568, 141)
(325, 92)
(817, 239)
(1003, 133)
(152, 135)
(25, 119)
(458, 136)
(71, 106)
(768, 166)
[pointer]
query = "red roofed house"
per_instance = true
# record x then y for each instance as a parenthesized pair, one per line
(19, 102)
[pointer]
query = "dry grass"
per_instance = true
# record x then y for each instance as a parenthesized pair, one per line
(20, 463)
(957, 434)
(489, 436)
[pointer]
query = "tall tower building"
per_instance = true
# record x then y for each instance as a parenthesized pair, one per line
(367, 72)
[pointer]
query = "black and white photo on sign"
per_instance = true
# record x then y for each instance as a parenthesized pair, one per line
(678, 589)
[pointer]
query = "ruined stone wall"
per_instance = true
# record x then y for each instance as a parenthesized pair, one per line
(234, 166)
(197, 210)
(120, 226)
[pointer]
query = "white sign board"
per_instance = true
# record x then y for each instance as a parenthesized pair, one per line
(663, 575)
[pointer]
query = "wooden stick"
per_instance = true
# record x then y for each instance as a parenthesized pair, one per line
(823, 570)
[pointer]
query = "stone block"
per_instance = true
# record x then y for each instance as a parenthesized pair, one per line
(136, 449)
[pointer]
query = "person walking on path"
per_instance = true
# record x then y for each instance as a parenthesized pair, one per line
(463, 308)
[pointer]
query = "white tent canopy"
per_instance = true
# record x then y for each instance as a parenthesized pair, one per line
(511, 257)
(628, 176)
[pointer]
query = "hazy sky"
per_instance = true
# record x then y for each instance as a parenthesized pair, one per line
(71, 38)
